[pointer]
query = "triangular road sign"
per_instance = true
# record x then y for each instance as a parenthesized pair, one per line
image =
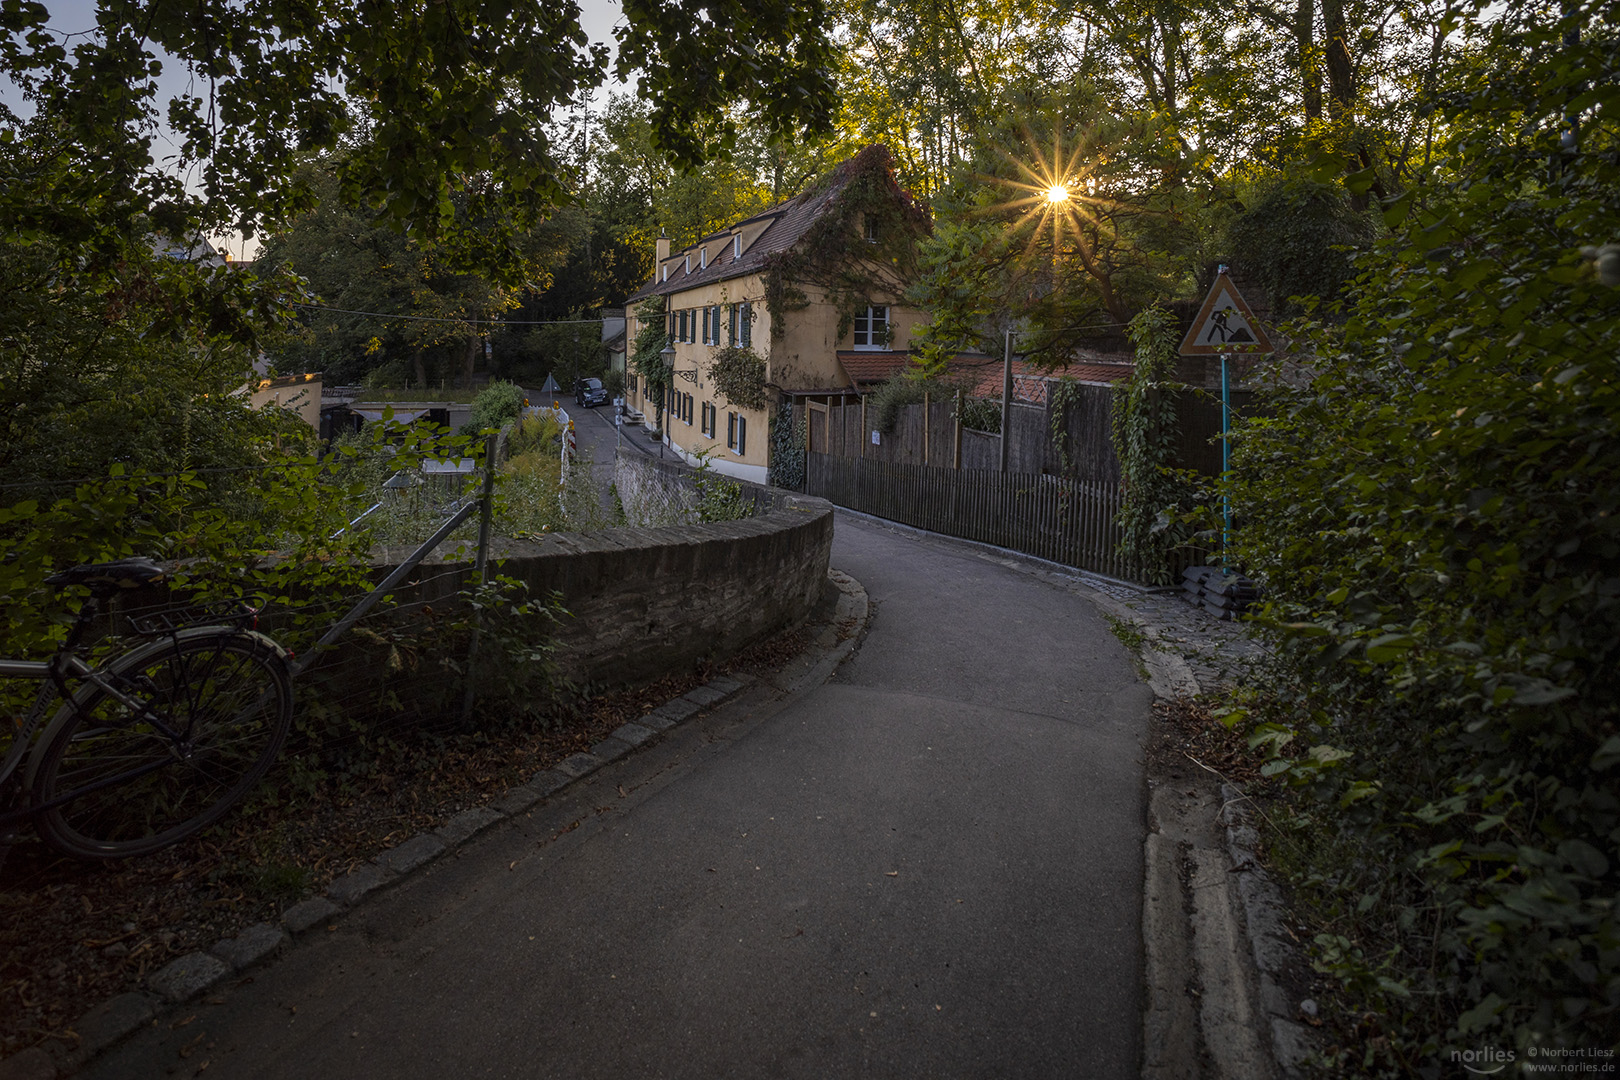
(551, 386)
(1225, 324)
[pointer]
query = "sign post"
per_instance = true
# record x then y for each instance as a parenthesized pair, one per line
(1225, 325)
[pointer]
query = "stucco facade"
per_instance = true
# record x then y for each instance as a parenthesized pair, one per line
(714, 294)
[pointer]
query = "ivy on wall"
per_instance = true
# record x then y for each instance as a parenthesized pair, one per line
(787, 448)
(646, 354)
(840, 254)
(738, 374)
(1145, 433)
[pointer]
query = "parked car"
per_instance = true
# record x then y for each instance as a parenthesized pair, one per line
(589, 393)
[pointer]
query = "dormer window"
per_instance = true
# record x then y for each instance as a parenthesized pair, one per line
(666, 271)
(736, 246)
(703, 258)
(688, 258)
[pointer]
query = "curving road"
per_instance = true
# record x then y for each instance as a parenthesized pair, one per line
(930, 866)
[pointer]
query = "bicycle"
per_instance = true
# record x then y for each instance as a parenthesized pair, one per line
(156, 742)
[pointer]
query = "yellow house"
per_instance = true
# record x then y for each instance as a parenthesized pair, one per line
(300, 394)
(811, 289)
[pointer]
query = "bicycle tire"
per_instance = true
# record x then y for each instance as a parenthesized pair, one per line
(227, 694)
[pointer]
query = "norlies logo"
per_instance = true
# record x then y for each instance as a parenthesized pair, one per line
(1483, 1062)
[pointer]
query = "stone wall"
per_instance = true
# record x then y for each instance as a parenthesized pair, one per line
(645, 602)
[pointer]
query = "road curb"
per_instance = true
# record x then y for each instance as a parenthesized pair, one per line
(186, 978)
(1227, 935)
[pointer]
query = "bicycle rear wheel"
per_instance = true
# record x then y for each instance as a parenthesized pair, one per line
(131, 788)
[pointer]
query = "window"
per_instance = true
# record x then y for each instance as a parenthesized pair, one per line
(710, 414)
(737, 433)
(686, 409)
(742, 318)
(703, 259)
(872, 328)
(874, 229)
(708, 326)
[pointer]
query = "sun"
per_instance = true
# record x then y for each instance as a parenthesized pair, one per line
(1057, 193)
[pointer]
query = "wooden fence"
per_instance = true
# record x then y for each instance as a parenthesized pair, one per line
(1067, 521)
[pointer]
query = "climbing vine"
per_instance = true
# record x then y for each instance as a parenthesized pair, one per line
(646, 355)
(862, 243)
(1145, 433)
(738, 373)
(787, 449)
(1065, 393)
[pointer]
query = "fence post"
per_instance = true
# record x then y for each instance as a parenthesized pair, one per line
(486, 508)
(956, 453)
(863, 425)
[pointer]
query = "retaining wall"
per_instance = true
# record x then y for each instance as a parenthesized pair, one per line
(648, 601)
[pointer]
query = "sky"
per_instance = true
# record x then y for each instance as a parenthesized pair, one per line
(73, 17)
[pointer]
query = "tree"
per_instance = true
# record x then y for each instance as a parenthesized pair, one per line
(433, 103)
(646, 354)
(1007, 252)
(387, 302)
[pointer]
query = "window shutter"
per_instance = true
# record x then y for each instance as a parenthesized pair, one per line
(742, 435)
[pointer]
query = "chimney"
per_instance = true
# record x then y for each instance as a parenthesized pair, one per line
(662, 251)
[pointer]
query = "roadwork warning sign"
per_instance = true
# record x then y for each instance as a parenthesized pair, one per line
(1225, 324)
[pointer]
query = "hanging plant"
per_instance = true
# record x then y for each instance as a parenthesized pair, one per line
(861, 246)
(738, 374)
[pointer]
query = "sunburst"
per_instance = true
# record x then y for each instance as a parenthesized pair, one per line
(1053, 195)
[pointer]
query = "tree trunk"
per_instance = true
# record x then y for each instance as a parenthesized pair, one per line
(1310, 74)
(1341, 75)
(419, 365)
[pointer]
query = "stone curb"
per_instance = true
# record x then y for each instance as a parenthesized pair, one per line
(1273, 949)
(110, 1022)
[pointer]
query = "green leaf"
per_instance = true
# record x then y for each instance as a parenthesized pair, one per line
(1541, 692)
(1383, 649)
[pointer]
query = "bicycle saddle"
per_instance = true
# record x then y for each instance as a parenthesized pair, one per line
(106, 578)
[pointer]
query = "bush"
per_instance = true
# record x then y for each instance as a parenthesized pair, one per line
(495, 406)
(1436, 517)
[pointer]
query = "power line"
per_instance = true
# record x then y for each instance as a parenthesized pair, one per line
(462, 322)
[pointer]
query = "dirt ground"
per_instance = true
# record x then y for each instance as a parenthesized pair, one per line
(75, 933)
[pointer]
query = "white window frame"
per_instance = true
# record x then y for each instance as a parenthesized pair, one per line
(866, 340)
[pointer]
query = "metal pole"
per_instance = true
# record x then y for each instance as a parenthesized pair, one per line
(1226, 451)
(956, 434)
(1006, 397)
(400, 573)
(486, 508)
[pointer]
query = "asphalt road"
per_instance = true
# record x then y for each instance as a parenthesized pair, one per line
(928, 867)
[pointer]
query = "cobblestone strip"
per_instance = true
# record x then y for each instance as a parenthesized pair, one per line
(110, 1022)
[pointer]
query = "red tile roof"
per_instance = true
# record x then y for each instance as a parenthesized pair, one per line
(1030, 383)
(872, 367)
